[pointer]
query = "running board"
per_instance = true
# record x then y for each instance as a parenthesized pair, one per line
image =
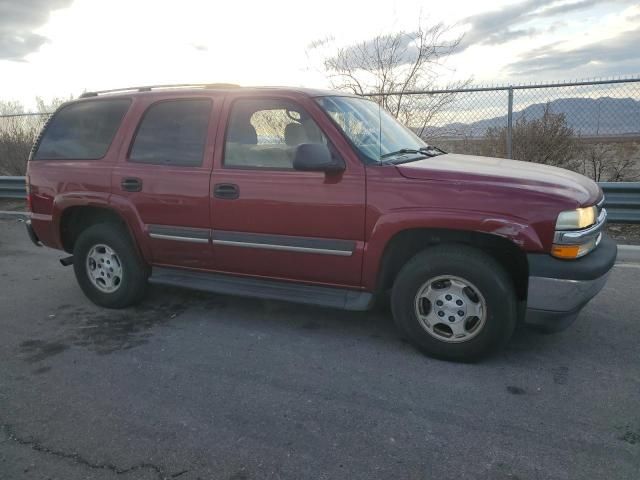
(266, 289)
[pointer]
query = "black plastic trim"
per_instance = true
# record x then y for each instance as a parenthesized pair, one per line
(342, 298)
(32, 234)
(186, 232)
(589, 267)
(131, 184)
(226, 191)
(286, 241)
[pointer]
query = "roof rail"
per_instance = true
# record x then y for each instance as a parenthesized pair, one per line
(148, 88)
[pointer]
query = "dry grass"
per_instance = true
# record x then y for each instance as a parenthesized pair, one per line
(625, 234)
(11, 205)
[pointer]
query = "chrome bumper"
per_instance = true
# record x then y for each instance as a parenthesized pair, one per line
(562, 295)
(559, 289)
(553, 304)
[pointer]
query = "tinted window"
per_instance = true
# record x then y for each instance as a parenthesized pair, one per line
(82, 130)
(265, 133)
(173, 133)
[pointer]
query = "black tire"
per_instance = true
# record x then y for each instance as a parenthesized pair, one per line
(470, 264)
(134, 271)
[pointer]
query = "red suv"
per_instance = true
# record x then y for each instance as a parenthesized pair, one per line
(315, 197)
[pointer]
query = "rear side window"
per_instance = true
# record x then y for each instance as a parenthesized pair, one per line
(172, 133)
(81, 131)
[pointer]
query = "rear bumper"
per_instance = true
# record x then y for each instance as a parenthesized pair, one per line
(559, 289)
(32, 234)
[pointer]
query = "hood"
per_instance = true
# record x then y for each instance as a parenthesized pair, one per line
(512, 173)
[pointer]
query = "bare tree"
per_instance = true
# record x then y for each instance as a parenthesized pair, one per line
(548, 140)
(18, 132)
(624, 163)
(613, 162)
(595, 159)
(389, 65)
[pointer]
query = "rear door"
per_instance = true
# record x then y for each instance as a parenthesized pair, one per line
(270, 220)
(163, 172)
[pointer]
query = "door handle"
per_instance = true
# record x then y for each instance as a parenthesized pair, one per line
(131, 184)
(228, 191)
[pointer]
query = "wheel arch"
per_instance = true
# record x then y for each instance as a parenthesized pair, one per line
(75, 219)
(407, 243)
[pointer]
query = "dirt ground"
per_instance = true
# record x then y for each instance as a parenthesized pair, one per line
(12, 205)
(625, 234)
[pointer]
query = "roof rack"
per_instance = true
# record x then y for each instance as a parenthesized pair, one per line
(148, 88)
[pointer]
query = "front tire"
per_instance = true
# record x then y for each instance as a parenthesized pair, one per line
(454, 302)
(108, 268)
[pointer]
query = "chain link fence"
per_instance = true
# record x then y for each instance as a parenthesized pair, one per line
(592, 127)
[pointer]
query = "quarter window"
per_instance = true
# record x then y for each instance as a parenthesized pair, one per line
(172, 133)
(264, 133)
(82, 130)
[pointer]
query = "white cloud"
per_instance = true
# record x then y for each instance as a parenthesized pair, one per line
(17, 22)
(97, 45)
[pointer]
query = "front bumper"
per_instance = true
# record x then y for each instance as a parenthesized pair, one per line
(559, 289)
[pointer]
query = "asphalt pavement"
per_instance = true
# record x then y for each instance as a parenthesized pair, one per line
(201, 386)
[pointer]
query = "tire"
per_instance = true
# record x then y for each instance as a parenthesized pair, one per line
(435, 277)
(128, 283)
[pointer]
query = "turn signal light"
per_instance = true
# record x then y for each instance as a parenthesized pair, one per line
(565, 251)
(559, 250)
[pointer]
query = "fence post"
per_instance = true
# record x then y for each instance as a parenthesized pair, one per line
(510, 124)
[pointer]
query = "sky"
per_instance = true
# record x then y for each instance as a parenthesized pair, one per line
(61, 48)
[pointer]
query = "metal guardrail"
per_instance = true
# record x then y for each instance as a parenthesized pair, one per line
(622, 201)
(622, 198)
(12, 187)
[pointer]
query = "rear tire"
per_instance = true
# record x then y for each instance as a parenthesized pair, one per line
(454, 302)
(108, 267)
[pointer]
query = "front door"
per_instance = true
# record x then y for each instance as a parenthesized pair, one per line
(272, 221)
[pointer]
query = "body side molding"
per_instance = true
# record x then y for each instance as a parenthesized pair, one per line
(322, 246)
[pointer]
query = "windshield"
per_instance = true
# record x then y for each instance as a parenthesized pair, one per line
(372, 129)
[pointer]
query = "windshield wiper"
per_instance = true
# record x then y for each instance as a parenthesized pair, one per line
(401, 151)
(423, 152)
(432, 151)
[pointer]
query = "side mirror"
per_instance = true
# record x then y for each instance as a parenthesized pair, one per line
(316, 157)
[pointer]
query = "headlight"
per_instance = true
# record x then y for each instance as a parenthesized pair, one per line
(578, 232)
(577, 219)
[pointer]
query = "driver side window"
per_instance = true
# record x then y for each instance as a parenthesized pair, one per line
(264, 133)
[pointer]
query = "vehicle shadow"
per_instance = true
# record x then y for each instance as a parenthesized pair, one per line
(104, 331)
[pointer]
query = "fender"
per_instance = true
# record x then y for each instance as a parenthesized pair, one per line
(104, 200)
(137, 228)
(63, 201)
(388, 225)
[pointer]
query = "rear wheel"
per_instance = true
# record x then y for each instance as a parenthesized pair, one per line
(454, 302)
(108, 267)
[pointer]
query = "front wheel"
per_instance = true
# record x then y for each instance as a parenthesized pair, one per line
(108, 267)
(454, 302)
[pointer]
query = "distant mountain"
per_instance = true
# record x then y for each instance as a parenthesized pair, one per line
(586, 116)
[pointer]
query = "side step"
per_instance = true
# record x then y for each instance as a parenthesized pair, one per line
(267, 289)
